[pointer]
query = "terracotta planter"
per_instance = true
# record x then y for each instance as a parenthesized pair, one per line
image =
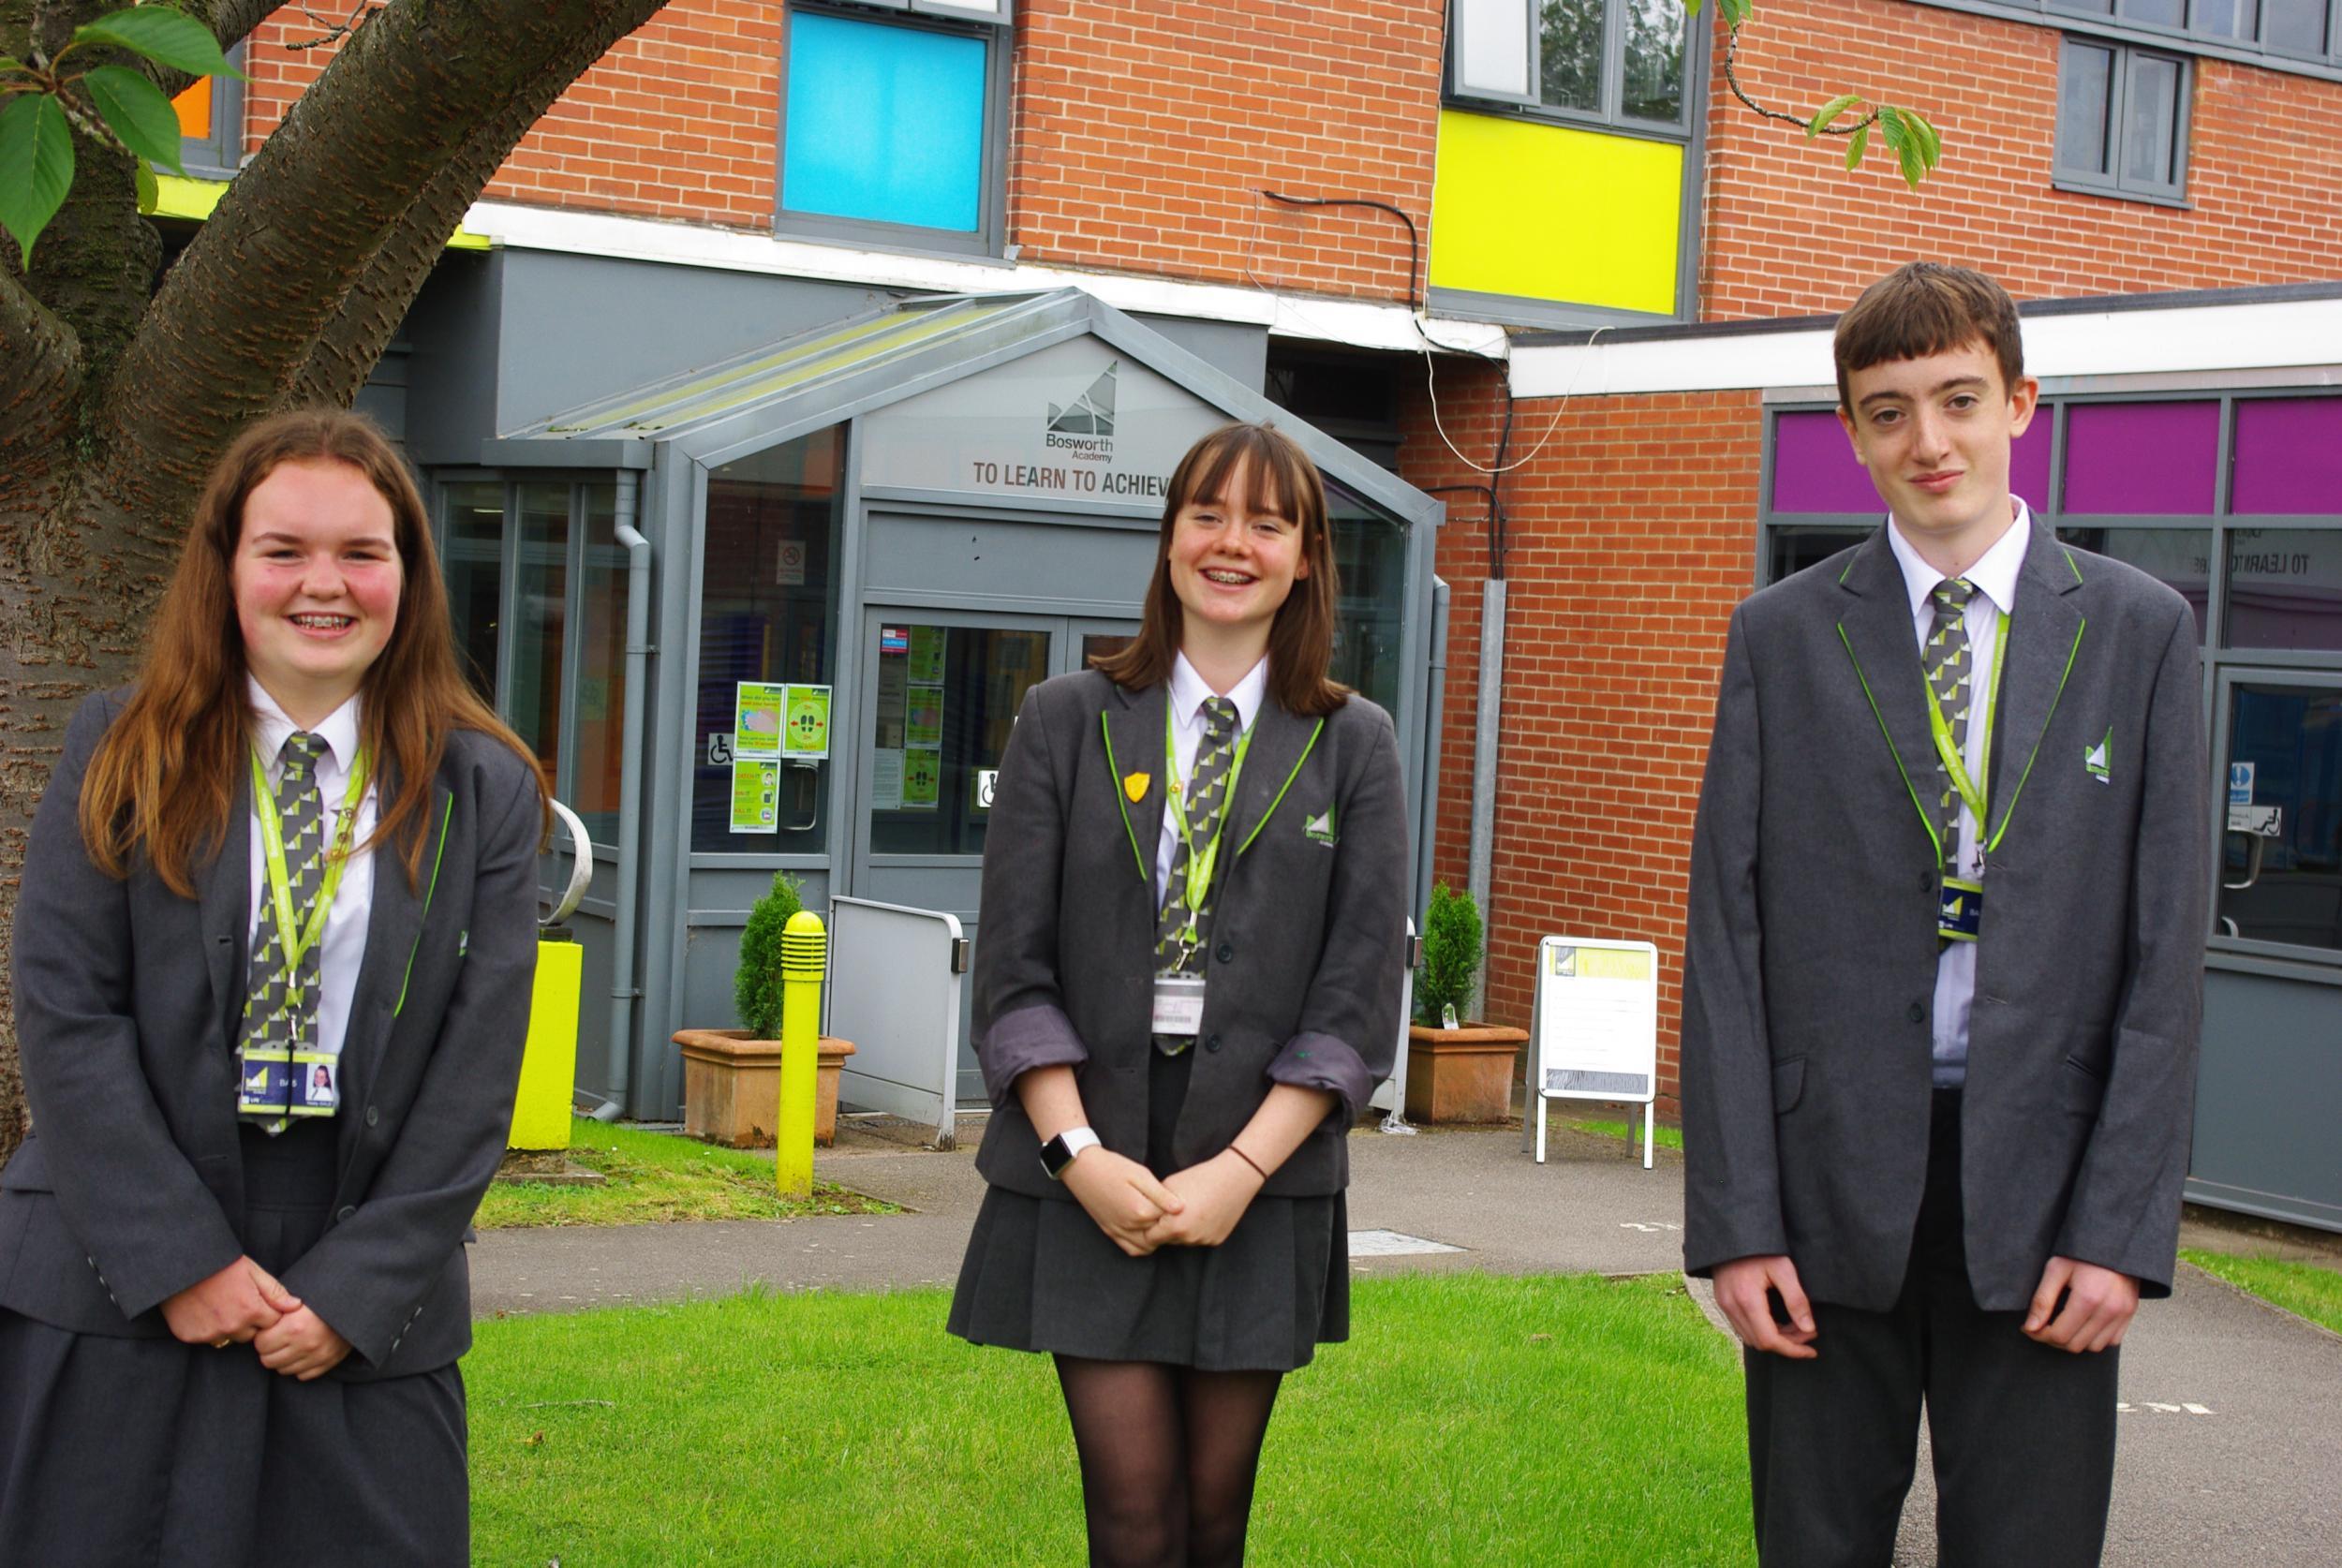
(1461, 1074)
(731, 1087)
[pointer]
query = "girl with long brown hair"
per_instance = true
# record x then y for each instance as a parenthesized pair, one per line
(272, 962)
(1196, 881)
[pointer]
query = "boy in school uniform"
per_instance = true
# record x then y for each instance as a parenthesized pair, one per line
(1943, 975)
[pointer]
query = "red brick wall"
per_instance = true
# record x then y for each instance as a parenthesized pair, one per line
(1141, 130)
(1790, 232)
(1632, 535)
(1144, 129)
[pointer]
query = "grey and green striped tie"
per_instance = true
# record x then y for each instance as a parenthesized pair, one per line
(272, 1027)
(1207, 800)
(1949, 666)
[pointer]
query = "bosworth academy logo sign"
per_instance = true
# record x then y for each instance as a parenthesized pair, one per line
(1075, 421)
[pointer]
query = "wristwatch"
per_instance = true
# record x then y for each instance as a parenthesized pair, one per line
(1059, 1151)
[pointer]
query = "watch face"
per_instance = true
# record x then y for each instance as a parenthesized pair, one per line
(1055, 1157)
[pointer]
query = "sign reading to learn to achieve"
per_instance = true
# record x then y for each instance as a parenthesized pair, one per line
(1078, 421)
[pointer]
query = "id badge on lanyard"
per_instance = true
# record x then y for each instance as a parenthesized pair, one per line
(1179, 1004)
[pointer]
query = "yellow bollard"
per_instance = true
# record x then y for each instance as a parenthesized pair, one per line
(804, 953)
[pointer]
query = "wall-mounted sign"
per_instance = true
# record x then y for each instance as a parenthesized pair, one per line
(1076, 422)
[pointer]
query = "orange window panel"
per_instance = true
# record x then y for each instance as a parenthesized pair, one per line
(195, 109)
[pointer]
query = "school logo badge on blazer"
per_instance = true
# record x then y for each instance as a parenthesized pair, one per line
(1135, 785)
(1320, 828)
(2094, 758)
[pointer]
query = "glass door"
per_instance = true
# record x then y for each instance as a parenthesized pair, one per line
(2269, 1096)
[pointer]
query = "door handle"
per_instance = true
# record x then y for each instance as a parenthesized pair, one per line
(2252, 861)
(812, 794)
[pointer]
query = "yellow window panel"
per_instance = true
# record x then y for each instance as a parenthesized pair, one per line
(1544, 211)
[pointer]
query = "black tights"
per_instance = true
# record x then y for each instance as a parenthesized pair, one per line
(1168, 1455)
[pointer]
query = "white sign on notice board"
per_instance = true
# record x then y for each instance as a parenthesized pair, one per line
(1593, 1031)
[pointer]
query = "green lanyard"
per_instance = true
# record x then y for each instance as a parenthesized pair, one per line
(1199, 866)
(296, 944)
(1971, 788)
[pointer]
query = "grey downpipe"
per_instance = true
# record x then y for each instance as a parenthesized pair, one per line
(1434, 720)
(620, 1076)
(1487, 714)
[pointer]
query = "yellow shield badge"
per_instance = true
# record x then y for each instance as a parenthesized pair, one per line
(1136, 784)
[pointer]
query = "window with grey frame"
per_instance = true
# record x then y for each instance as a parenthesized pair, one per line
(536, 585)
(2302, 37)
(894, 124)
(1624, 65)
(214, 105)
(2122, 121)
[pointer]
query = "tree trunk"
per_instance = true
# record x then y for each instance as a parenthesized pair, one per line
(116, 397)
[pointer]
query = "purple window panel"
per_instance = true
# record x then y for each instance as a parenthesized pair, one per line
(1813, 468)
(2289, 457)
(2155, 459)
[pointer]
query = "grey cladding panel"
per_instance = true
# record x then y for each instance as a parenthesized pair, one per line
(919, 557)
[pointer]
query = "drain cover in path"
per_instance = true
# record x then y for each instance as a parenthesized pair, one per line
(1391, 1244)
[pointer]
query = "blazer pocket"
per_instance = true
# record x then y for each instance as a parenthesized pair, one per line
(1788, 1084)
(2079, 1088)
(27, 1169)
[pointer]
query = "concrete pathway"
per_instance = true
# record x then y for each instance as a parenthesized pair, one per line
(2231, 1434)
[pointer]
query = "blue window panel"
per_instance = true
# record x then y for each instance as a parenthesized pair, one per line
(884, 122)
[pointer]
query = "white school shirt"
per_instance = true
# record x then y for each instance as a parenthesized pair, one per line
(343, 947)
(1995, 578)
(1187, 698)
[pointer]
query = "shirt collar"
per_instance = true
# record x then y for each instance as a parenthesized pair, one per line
(1994, 573)
(269, 726)
(1188, 692)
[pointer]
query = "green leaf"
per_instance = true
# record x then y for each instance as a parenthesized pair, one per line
(137, 112)
(1829, 112)
(1692, 6)
(163, 34)
(36, 166)
(1735, 12)
(1910, 146)
(1857, 144)
(1933, 138)
(150, 188)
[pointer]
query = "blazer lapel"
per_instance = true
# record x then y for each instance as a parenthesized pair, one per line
(394, 922)
(225, 908)
(1134, 729)
(1876, 628)
(2045, 630)
(1280, 741)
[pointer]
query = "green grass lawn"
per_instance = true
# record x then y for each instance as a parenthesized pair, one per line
(1662, 1134)
(1469, 1420)
(654, 1176)
(2312, 1289)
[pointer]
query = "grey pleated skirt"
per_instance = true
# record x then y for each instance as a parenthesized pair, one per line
(1041, 1276)
(149, 1451)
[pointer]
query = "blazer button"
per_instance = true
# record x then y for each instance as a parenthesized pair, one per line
(1225, 953)
(1212, 1043)
(347, 1215)
(373, 1117)
(1918, 1013)
(1927, 881)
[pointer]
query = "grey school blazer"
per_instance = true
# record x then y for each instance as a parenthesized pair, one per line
(1308, 937)
(131, 1187)
(1810, 968)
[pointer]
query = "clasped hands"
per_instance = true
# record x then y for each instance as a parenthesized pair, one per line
(244, 1304)
(1197, 1206)
(2078, 1306)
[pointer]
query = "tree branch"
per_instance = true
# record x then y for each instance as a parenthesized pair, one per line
(40, 370)
(233, 331)
(346, 352)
